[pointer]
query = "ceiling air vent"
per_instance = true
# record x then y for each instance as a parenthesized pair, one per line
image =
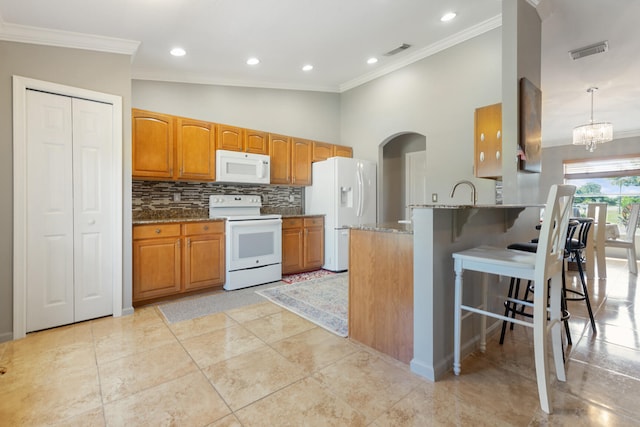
(402, 47)
(589, 50)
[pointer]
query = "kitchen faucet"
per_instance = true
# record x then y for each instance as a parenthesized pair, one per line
(474, 197)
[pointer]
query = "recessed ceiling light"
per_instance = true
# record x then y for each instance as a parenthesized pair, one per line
(448, 16)
(307, 67)
(253, 61)
(178, 51)
(372, 60)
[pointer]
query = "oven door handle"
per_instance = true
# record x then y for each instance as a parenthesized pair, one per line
(254, 222)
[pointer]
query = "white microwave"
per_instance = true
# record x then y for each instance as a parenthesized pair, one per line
(235, 166)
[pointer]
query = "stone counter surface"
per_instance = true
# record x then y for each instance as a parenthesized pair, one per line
(505, 206)
(386, 227)
(144, 220)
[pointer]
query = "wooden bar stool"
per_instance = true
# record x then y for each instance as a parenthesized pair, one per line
(544, 268)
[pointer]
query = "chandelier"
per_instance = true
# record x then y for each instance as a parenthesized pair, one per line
(593, 133)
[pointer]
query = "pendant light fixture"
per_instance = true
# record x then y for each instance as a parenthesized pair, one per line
(593, 133)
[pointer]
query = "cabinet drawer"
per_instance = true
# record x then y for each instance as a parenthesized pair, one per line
(317, 221)
(156, 230)
(194, 228)
(291, 223)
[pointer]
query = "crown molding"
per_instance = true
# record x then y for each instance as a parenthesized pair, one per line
(35, 35)
(432, 49)
(207, 80)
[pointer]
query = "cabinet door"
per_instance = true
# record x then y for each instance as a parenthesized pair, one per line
(256, 141)
(342, 151)
(292, 250)
(313, 247)
(196, 150)
(229, 138)
(301, 162)
(321, 151)
(488, 141)
(280, 153)
(204, 261)
(152, 144)
(156, 268)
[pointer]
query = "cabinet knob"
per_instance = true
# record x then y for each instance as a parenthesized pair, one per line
(158, 231)
(498, 134)
(497, 155)
(206, 227)
(482, 136)
(482, 156)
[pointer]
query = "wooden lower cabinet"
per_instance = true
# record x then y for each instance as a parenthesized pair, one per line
(381, 291)
(302, 244)
(204, 255)
(171, 259)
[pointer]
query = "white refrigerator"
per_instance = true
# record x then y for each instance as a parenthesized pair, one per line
(344, 190)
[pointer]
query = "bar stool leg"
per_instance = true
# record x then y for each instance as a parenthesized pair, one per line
(586, 294)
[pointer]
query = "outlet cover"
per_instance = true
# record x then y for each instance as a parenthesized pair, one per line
(434, 197)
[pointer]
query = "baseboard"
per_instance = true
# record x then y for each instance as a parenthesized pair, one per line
(6, 336)
(127, 311)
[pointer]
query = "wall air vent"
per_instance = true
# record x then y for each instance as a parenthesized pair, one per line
(402, 47)
(589, 50)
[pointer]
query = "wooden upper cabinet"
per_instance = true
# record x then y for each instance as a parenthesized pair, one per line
(301, 151)
(152, 145)
(229, 138)
(280, 154)
(488, 141)
(256, 141)
(322, 151)
(238, 139)
(342, 151)
(196, 150)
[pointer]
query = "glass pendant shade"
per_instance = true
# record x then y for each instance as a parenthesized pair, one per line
(593, 133)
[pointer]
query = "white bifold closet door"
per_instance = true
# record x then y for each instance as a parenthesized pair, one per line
(69, 229)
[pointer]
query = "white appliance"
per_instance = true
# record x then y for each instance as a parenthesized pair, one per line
(235, 166)
(253, 241)
(344, 190)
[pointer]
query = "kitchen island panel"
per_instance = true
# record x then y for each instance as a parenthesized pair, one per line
(381, 291)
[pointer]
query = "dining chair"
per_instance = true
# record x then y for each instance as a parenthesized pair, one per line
(628, 241)
(542, 267)
(594, 253)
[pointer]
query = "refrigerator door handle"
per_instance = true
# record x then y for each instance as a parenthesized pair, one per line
(360, 190)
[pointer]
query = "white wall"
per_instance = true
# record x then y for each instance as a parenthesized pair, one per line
(303, 114)
(435, 97)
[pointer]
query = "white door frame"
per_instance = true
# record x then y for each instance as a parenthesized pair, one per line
(20, 86)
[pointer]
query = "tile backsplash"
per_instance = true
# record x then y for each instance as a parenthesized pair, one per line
(170, 199)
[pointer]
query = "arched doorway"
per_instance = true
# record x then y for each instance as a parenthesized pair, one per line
(395, 161)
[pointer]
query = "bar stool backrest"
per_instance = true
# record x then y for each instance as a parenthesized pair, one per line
(553, 233)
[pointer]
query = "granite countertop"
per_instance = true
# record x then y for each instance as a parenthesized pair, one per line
(173, 217)
(300, 215)
(483, 206)
(386, 227)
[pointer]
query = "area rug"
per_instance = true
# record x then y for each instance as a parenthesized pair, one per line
(198, 306)
(323, 301)
(301, 277)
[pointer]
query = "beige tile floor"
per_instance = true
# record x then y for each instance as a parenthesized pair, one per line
(262, 366)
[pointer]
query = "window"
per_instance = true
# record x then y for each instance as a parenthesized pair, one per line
(615, 181)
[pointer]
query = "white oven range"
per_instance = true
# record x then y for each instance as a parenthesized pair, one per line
(253, 241)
